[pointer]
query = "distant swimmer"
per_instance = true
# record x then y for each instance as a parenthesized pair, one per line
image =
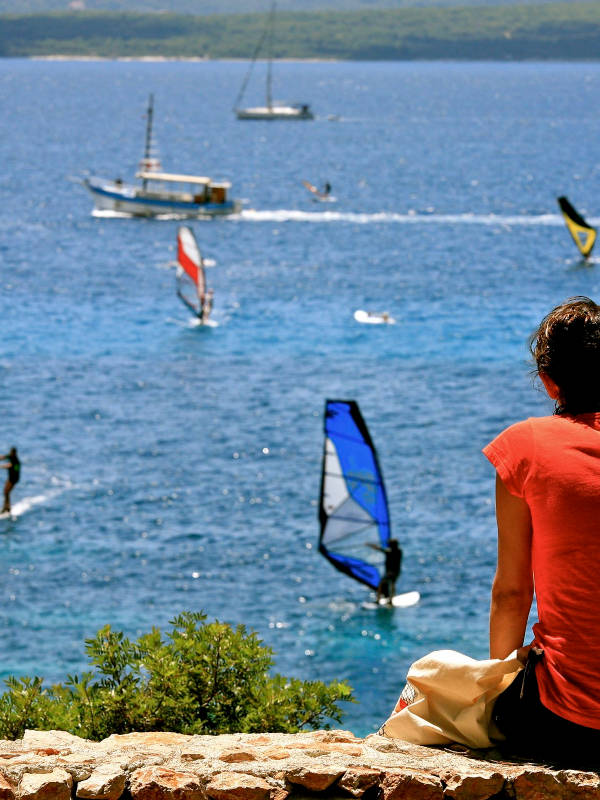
(393, 567)
(13, 465)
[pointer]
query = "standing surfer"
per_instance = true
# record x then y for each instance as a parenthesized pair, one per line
(206, 304)
(393, 566)
(13, 465)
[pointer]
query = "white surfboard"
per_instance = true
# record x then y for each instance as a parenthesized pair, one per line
(374, 317)
(404, 600)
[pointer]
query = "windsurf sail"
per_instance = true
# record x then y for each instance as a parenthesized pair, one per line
(190, 271)
(583, 235)
(324, 193)
(353, 509)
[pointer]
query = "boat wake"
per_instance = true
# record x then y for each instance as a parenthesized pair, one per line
(410, 218)
(103, 213)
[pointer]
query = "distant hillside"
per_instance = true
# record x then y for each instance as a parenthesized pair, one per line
(202, 7)
(566, 30)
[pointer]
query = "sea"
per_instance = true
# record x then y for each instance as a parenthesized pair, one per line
(169, 467)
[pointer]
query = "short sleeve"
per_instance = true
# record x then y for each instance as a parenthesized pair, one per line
(511, 453)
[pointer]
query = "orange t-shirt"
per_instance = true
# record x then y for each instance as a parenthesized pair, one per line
(553, 463)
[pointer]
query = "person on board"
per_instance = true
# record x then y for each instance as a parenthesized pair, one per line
(13, 465)
(206, 304)
(327, 188)
(393, 567)
(547, 510)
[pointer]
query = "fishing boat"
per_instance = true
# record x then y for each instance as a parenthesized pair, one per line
(583, 234)
(191, 277)
(161, 193)
(353, 509)
(272, 110)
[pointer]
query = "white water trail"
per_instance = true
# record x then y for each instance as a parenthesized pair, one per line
(27, 503)
(291, 215)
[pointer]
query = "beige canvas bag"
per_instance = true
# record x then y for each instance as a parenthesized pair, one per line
(449, 697)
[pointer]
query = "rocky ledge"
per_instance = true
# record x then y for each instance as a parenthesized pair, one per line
(54, 765)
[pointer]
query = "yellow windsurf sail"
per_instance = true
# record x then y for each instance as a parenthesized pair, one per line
(584, 235)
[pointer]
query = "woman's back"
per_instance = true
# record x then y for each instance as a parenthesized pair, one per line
(553, 463)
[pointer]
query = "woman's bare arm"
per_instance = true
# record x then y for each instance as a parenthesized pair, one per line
(512, 590)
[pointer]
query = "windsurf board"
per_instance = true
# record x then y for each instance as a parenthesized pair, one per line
(404, 600)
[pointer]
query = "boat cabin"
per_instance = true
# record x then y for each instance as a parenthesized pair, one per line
(187, 188)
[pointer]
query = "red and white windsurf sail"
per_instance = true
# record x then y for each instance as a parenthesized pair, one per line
(189, 258)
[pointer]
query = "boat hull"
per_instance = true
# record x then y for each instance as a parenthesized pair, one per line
(275, 112)
(134, 200)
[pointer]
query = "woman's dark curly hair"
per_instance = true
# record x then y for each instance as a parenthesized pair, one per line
(566, 347)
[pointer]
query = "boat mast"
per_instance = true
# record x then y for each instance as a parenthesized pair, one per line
(148, 145)
(270, 58)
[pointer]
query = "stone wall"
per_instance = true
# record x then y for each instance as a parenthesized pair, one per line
(53, 765)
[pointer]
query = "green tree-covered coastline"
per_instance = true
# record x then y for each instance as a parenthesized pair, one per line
(562, 31)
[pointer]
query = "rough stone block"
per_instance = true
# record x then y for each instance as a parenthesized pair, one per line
(7, 790)
(358, 780)
(275, 753)
(537, 785)
(411, 786)
(159, 783)
(579, 785)
(314, 778)
(55, 785)
(235, 756)
(192, 754)
(58, 740)
(473, 785)
(105, 783)
(238, 786)
(146, 740)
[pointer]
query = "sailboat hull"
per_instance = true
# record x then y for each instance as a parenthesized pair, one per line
(134, 200)
(275, 112)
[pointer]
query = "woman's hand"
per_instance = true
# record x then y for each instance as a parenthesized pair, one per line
(523, 652)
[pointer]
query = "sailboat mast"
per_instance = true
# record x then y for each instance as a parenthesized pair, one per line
(148, 145)
(270, 59)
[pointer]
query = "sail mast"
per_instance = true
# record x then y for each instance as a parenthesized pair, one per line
(270, 59)
(148, 143)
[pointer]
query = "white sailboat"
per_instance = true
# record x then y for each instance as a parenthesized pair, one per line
(161, 192)
(272, 109)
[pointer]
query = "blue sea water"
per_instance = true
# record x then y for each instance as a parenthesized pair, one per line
(167, 467)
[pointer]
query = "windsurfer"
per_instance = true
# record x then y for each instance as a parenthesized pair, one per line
(206, 304)
(393, 567)
(13, 465)
(327, 188)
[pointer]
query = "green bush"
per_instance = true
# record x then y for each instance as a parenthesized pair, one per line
(203, 678)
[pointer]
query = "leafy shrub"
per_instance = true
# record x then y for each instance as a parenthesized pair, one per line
(203, 677)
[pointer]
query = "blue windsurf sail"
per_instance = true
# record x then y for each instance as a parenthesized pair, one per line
(353, 509)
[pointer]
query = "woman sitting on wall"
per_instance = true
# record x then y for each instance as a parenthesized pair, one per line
(548, 516)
